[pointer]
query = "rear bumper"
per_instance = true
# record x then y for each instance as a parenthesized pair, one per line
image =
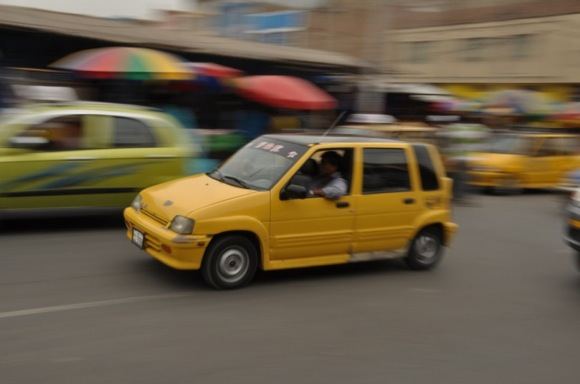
(173, 250)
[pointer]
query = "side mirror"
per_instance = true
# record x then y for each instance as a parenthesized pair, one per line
(293, 191)
(28, 142)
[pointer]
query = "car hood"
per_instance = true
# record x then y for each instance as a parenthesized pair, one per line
(186, 195)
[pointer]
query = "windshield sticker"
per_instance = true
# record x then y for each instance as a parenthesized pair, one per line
(287, 150)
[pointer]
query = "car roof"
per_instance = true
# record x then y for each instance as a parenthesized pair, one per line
(392, 128)
(317, 139)
(92, 106)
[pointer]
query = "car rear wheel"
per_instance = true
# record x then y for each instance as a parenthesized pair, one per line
(508, 186)
(426, 249)
(230, 262)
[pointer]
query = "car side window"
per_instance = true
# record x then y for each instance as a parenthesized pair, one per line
(132, 133)
(385, 170)
(547, 148)
(427, 172)
(63, 133)
(562, 146)
(313, 173)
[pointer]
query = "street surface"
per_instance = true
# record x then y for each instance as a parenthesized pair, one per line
(80, 304)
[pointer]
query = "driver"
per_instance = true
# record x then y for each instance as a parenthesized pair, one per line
(329, 183)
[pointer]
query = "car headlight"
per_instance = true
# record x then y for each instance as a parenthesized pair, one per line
(182, 225)
(137, 203)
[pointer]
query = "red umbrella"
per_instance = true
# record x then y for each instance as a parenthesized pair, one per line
(214, 70)
(284, 92)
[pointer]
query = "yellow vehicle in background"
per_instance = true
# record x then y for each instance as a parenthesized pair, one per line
(87, 155)
(525, 160)
(255, 210)
(397, 131)
(387, 127)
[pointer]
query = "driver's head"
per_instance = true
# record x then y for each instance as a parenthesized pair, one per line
(330, 163)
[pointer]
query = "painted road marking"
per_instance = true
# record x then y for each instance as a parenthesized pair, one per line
(90, 304)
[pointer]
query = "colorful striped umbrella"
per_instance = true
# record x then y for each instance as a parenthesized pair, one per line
(126, 63)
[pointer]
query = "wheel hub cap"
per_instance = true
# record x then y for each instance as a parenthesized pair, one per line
(233, 264)
(426, 248)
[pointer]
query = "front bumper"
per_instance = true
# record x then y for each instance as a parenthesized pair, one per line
(176, 251)
(572, 237)
(569, 189)
(573, 243)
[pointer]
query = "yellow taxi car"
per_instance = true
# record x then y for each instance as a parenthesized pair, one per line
(525, 160)
(255, 210)
(87, 155)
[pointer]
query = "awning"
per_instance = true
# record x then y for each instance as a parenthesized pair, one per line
(173, 39)
(284, 92)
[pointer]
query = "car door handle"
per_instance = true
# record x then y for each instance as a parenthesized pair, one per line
(80, 158)
(409, 201)
(342, 204)
(160, 156)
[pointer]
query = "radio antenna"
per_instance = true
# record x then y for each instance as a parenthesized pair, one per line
(334, 124)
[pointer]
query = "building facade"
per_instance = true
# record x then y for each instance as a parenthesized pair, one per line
(535, 46)
(349, 27)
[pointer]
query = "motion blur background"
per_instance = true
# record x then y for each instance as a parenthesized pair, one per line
(493, 83)
(382, 52)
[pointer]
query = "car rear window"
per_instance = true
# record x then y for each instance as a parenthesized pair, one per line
(385, 170)
(429, 179)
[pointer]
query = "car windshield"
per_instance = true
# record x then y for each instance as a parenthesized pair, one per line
(508, 144)
(260, 164)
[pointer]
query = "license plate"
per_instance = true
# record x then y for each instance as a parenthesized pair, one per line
(138, 238)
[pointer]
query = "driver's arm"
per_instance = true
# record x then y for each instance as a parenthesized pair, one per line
(334, 189)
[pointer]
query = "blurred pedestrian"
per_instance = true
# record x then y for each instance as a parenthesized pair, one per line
(461, 140)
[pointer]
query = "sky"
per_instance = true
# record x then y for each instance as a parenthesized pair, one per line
(140, 9)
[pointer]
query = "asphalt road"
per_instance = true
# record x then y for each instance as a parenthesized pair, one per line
(80, 304)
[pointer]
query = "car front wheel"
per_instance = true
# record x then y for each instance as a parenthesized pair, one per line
(426, 249)
(230, 262)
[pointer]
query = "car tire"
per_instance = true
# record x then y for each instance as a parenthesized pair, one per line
(230, 262)
(426, 249)
(509, 186)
